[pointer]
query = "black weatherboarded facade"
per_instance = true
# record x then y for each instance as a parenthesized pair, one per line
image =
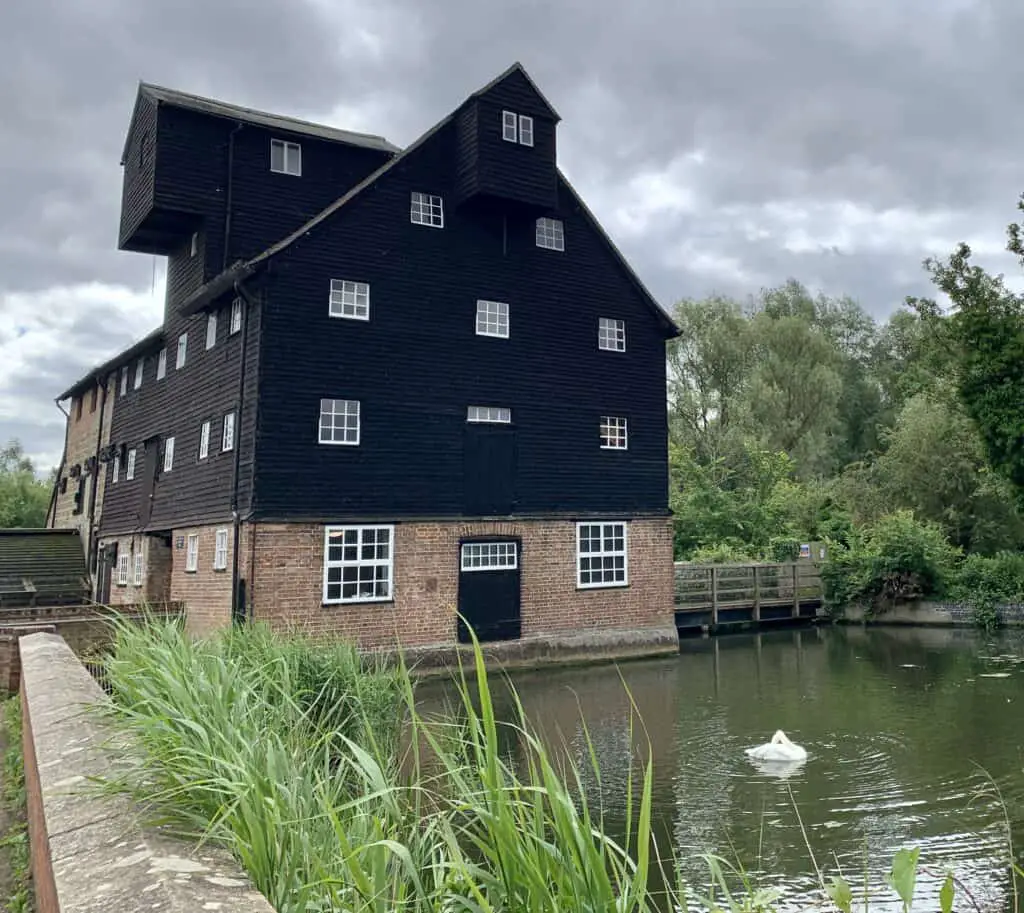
(385, 341)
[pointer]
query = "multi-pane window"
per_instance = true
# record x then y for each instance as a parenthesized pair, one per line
(169, 454)
(613, 432)
(601, 555)
(192, 553)
(497, 415)
(525, 130)
(358, 563)
(220, 550)
(490, 556)
(161, 365)
(516, 128)
(129, 470)
(140, 367)
(122, 570)
(611, 334)
(285, 157)
(339, 421)
(492, 318)
(550, 234)
(124, 381)
(349, 299)
(116, 470)
(138, 570)
(227, 437)
(426, 209)
(179, 362)
(236, 315)
(204, 441)
(211, 330)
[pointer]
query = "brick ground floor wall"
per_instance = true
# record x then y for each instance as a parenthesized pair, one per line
(284, 563)
(206, 591)
(156, 570)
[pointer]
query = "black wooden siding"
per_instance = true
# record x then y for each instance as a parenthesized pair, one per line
(137, 195)
(417, 364)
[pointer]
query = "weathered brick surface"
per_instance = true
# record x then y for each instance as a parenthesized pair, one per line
(286, 576)
(206, 592)
(156, 570)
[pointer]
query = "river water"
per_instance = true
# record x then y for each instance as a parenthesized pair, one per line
(899, 724)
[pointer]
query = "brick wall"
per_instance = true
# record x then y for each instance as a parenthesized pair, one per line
(206, 592)
(285, 582)
(156, 570)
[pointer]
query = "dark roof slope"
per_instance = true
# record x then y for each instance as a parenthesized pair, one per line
(143, 345)
(42, 566)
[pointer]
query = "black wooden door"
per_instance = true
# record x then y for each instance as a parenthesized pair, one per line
(489, 573)
(489, 470)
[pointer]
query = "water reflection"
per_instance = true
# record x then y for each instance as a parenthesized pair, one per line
(898, 724)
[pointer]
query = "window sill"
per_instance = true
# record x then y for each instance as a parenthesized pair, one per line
(338, 603)
(602, 586)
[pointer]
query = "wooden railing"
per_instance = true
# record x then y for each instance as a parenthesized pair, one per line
(747, 592)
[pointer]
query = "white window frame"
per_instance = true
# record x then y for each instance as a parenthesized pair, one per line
(124, 381)
(194, 246)
(426, 209)
(510, 126)
(525, 130)
(169, 454)
(192, 553)
(161, 364)
(211, 330)
(358, 562)
(182, 354)
(344, 409)
(489, 556)
(492, 318)
(236, 316)
(489, 415)
(611, 334)
(291, 157)
(116, 469)
(550, 234)
(122, 570)
(129, 469)
(349, 299)
(614, 432)
(227, 434)
(138, 575)
(204, 440)
(140, 368)
(220, 550)
(608, 530)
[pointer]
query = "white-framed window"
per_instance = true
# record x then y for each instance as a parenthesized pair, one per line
(613, 433)
(601, 555)
(124, 381)
(496, 415)
(339, 421)
(192, 553)
(194, 246)
(349, 299)
(236, 315)
(140, 367)
(285, 157)
(169, 454)
(492, 318)
(137, 581)
(129, 469)
(525, 130)
(161, 365)
(611, 334)
(122, 570)
(204, 441)
(227, 436)
(509, 126)
(426, 209)
(179, 362)
(220, 550)
(358, 563)
(211, 330)
(116, 470)
(490, 556)
(550, 234)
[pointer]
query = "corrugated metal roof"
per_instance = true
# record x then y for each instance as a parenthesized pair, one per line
(42, 566)
(251, 115)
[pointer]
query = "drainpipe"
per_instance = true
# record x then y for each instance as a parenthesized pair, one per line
(93, 550)
(229, 195)
(52, 509)
(240, 400)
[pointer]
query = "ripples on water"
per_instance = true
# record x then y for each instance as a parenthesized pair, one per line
(898, 724)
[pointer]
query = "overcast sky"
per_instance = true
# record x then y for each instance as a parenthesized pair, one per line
(726, 145)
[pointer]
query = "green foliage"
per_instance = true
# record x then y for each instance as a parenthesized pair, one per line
(24, 499)
(14, 843)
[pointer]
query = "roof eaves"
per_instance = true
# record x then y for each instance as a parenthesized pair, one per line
(512, 69)
(142, 345)
(219, 285)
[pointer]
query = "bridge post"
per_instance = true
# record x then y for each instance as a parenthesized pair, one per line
(757, 596)
(714, 596)
(796, 590)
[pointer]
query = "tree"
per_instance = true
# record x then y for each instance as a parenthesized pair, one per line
(24, 499)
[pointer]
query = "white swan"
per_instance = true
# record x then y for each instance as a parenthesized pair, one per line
(780, 748)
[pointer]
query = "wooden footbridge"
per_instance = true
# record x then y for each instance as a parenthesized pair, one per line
(710, 598)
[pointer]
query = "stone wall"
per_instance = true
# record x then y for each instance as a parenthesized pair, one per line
(929, 612)
(90, 852)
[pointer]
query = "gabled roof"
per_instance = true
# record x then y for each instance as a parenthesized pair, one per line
(162, 95)
(517, 67)
(136, 348)
(42, 566)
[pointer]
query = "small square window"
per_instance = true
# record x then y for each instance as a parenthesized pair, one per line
(140, 367)
(179, 362)
(601, 555)
(339, 421)
(227, 438)
(129, 470)
(211, 330)
(204, 441)
(525, 130)
(509, 120)
(349, 299)
(611, 334)
(285, 158)
(496, 415)
(236, 315)
(426, 209)
(122, 570)
(138, 570)
(220, 550)
(169, 454)
(613, 432)
(550, 234)
(161, 365)
(192, 553)
(492, 318)
(358, 563)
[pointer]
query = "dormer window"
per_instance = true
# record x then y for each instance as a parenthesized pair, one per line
(516, 128)
(550, 234)
(285, 158)
(426, 209)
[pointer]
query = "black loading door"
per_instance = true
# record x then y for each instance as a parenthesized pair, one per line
(489, 470)
(489, 590)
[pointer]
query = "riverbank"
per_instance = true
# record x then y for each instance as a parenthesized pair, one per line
(933, 613)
